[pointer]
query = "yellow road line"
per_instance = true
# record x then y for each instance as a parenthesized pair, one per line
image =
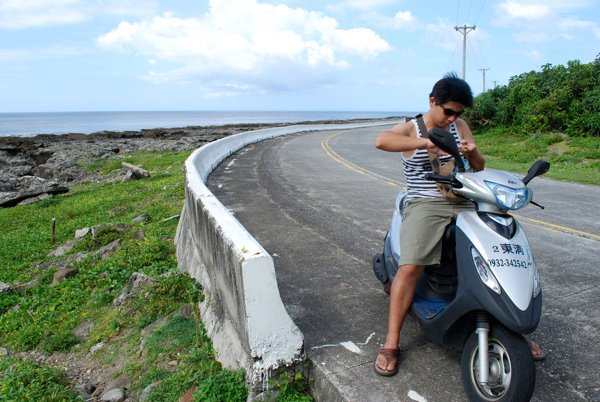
(352, 166)
(548, 225)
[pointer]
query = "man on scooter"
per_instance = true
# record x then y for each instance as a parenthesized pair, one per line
(427, 212)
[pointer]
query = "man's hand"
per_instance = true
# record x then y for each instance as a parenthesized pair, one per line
(433, 149)
(467, 147)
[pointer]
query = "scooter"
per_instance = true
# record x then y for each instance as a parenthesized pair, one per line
(486, 291)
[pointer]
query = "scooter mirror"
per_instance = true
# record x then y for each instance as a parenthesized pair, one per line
(446, 142)
(538, 168)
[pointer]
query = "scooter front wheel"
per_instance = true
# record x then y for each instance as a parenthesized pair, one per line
(511, 368)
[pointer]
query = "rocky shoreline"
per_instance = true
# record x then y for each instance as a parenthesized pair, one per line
(34, 168)
(39, 167)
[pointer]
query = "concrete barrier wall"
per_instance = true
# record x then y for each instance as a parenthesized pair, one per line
(242, 309)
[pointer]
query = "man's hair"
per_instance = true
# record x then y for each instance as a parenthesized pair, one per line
(452, 89)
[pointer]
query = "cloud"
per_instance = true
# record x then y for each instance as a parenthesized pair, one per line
(22, 14)
(55, 52)
(405, 19)
(17, 14)
(363, 4)
(538, 22)
(515, 10)
(245, 45)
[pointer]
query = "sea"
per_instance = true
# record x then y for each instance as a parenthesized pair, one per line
(30, 124)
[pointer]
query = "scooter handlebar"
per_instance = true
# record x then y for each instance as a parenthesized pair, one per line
(443, 179)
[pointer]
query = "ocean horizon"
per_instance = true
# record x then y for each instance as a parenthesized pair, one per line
(28, 124)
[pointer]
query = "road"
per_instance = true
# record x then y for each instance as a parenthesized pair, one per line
(320, 204)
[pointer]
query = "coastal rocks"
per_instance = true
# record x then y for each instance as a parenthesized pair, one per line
(61, 161)
(28, 189)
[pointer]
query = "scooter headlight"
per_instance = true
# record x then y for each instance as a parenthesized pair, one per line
(484, 271)
(509, 197)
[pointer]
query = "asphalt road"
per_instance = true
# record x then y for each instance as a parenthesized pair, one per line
(320, 204)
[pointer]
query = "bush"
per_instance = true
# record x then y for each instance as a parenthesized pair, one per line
(555, 99)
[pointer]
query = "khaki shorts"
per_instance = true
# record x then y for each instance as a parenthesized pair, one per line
(423, 225)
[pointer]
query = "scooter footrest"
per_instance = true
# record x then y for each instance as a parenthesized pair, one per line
(379, 268)
(428, 308)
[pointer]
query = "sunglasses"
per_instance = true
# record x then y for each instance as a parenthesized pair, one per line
(449, 112)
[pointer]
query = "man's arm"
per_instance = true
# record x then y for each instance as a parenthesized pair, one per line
(400, 138)
(468, 147)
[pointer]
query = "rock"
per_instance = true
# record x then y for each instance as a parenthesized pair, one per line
(98, 391)
(4, 352)
(44, 196)
(121, 382)
(186, 311)
(83, 330)
(81, 233)
(149, 329)
(134, 172)
(63, 249)
(25, 286)
(63, 274)
(107, 250)
(145, 396)
(62, 263)
(5, 288)
(136, 283)
(96, 347)
(114, 395)
(89, 387)
(28, 187)
(141, 219)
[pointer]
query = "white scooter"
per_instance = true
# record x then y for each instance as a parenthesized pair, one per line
(486, 292)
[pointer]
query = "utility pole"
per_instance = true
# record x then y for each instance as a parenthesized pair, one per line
(483, 70)
(495, 83)
(464, 30)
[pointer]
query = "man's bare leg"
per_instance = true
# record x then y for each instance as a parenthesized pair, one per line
(402, 293)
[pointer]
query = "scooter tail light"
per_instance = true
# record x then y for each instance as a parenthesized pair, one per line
(484, 271)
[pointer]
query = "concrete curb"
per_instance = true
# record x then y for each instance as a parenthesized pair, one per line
(242, 309)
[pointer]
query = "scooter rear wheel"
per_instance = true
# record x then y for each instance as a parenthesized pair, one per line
(511, 368)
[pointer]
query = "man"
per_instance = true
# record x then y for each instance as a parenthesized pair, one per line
(427, 212)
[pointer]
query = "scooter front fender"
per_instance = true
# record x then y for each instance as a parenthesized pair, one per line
(508, 307)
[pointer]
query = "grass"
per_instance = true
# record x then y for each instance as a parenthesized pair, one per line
(175, 357)
(573, 159)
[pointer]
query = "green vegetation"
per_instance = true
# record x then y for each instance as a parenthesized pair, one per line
(563, 99)
(174, 357)
(552, 114)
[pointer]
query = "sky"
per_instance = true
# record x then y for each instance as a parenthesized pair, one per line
(258, 55)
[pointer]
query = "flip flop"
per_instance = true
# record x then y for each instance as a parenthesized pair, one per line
(390, 355)
(538, 355)
(536, 351)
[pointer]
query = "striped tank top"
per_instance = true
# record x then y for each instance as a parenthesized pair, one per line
(417, 165)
